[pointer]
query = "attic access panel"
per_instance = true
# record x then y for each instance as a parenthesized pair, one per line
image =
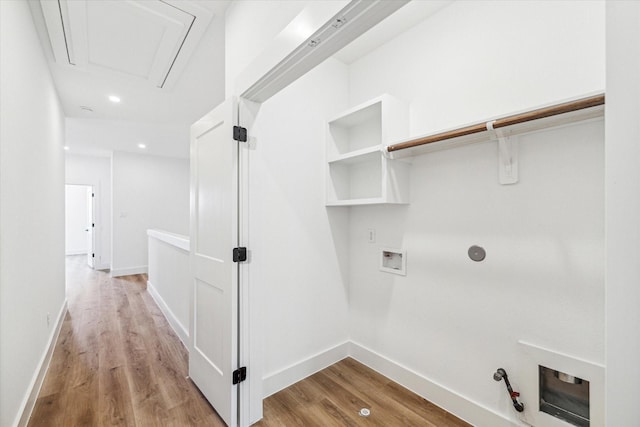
(140, 39)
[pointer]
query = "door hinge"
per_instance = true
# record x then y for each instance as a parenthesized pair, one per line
(93, 255)
(239, 375)
(239, 254)
(240, 133)
(93, 224)
(93, 194)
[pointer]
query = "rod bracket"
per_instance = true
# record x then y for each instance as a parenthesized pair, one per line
(507, 155)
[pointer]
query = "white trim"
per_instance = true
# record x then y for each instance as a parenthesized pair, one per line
(451, 401)
(178, 328)
(250, 333)
(104, 266)
(532, 356)
(265, 65)
(80, 252)
(293, 53)
(284, 378)
(177, 240)
(29, 401)
(129, 271)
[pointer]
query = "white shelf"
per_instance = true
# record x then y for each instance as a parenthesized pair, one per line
(365, 112)
(357, 156)
(358, 173)
(357, 202)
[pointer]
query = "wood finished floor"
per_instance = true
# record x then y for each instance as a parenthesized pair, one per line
(334, 396)
(118, 362)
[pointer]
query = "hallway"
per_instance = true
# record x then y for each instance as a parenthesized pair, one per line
(117, 361)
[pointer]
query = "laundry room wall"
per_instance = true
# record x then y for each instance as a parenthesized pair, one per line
(297, 269)
(449, 323)
(450, 320)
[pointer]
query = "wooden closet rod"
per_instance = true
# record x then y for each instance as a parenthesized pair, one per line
(554, 110)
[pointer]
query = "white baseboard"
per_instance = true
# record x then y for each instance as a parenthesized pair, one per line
(284, 378)
(80, 252)
(178, 328)
(435, 393)
(103, 266)
(29, 401)
(117, 272)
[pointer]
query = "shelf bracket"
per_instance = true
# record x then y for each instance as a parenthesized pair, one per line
(507, 156)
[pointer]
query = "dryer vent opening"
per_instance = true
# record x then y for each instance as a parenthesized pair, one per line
(564, 396)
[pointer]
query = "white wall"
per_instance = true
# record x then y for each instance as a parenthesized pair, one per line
(95, 171)
(622, 153)
(32, 208)
(296, 244)
(148, 192)
(479, 59)
(250, 27)
(77, 219)
(451, 320)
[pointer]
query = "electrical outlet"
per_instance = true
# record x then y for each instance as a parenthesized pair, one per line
(371, 235)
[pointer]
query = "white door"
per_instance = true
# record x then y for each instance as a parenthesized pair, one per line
(214, 233)
(90, 229)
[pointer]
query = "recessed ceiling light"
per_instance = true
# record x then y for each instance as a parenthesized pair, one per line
(143, 146)
(66, 148)
(114, 99)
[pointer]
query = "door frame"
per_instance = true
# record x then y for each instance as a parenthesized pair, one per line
(94, 236)
(91, 213)
(249, 330)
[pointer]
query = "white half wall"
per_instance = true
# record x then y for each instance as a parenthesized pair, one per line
(95, 171)
(622, 154)
(170, 278)
(148, 192)
(32, 269)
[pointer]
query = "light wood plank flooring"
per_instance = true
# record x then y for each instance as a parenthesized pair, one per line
(118, 362)
(335, 396)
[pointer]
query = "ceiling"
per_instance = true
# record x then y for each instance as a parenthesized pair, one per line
(164, 59)
(167, 71)
(98, 137)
